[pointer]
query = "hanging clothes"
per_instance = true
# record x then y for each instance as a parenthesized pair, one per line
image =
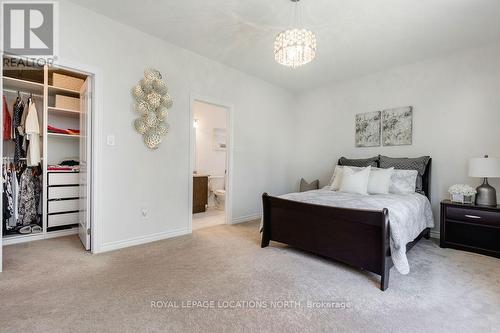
(32, 130)
(7, 121)
(28, 198)
(22, 129)
(40, 199)
(9, 197)
(5, 205)
(10, 193)
(8, 205)
(18, 111)
(24, 116)
(15, 194)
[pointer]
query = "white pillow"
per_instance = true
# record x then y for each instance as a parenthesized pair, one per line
(380, 180)
(403, 181)
(337, 176)
(355, 181)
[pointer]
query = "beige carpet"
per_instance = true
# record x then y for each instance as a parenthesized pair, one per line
(209, 218)
(53, 286)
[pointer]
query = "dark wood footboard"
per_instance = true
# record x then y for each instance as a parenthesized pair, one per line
(356, 237)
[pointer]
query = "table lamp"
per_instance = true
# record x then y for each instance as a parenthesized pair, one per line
(485, 167)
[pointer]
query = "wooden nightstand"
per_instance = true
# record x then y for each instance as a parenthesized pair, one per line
(470, 228)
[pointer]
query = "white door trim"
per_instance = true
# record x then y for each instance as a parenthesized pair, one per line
(97, 119)
(229, 160)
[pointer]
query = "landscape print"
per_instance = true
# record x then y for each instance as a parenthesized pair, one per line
(368, 129)
(397, 125)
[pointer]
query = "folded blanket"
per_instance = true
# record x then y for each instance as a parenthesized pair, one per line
(68, 131)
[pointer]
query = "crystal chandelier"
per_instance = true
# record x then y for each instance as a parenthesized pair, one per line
(295, 47)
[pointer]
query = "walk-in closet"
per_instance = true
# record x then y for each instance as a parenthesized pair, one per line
(46, 147)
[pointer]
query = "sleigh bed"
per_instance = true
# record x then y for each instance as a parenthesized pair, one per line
(357, 237)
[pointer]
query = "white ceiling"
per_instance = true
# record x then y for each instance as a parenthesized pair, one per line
(355, 37)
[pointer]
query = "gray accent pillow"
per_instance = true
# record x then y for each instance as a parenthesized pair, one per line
(362, 162)
(305, 186)
(405, 163)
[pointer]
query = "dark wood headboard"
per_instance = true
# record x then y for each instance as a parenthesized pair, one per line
(426, 180)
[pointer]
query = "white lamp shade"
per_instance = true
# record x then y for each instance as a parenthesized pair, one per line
(484, 167)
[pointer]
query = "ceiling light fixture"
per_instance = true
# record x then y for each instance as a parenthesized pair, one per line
(295, 47)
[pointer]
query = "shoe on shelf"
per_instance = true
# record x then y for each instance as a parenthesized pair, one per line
(25, 230)
(36, 228)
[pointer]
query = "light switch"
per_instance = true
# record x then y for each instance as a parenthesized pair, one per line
(110, 140)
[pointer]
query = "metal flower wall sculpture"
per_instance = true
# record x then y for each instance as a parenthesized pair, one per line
(152, 102)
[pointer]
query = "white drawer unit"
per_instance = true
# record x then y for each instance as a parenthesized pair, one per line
(57, 220)
(61, 206)
(64, 178)
(63, 192)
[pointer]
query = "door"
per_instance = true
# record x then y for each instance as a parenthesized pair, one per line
(1, 201)
(85, 163)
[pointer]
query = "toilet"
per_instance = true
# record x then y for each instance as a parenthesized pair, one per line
(220, 198)
(217, 185)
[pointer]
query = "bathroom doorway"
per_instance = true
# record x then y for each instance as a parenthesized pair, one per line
(210, 164)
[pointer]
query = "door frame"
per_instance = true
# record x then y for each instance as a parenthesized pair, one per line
(96, 138)
(228, 205)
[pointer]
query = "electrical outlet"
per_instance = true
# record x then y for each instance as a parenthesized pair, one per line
(144, 213)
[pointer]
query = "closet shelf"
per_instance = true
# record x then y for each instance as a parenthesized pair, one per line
(63, 91)
(22, 85)
(64, 112)
(17, 236)
(58, 135)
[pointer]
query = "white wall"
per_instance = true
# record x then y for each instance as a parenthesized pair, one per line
(208, 160)
(133, 177)
(456, 102)
(456, 116)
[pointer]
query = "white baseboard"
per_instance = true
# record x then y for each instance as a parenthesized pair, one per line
(111, 246)
(246, 218)
(435, 234)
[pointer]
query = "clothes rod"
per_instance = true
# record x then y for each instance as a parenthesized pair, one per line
(21, 92)
(12, 158)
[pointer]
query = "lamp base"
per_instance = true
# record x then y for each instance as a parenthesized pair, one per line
(486, 194)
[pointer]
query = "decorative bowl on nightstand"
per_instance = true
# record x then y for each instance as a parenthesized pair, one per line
(460, 198)
(462, 193)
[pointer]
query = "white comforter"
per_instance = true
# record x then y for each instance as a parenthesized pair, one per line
(409, 215)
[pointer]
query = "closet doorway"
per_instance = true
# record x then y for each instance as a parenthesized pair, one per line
(47, 152)
(210, 189)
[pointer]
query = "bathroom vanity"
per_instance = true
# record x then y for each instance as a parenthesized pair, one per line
(200, 193)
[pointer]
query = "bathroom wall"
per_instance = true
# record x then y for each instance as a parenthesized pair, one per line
(209, 161)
